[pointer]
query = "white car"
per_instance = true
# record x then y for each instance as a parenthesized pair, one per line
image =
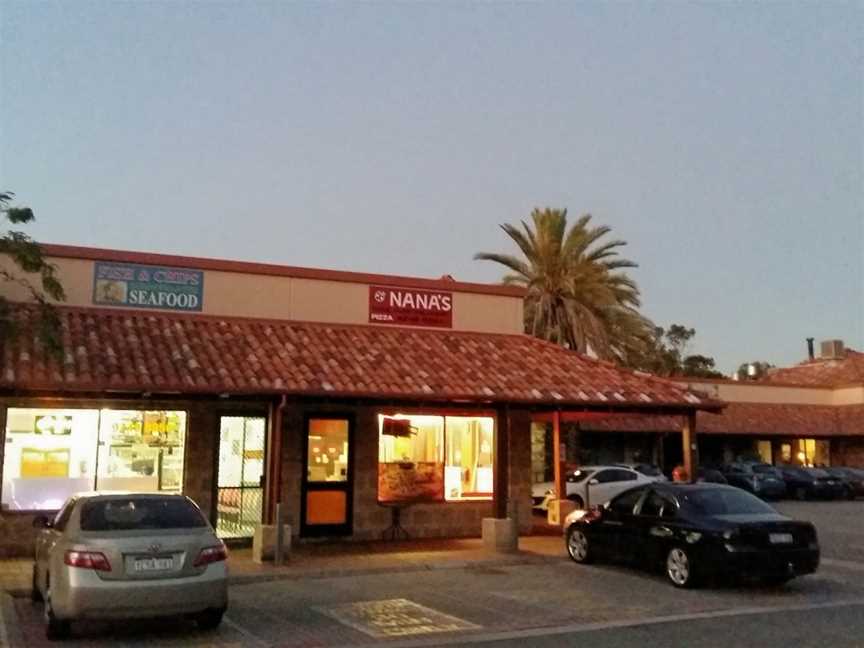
(591, 485)
(117, 556)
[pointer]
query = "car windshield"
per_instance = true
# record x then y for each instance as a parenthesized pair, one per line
(723, 501)
(650, 471)
(140, 513)
(817, 472)
(796, 472)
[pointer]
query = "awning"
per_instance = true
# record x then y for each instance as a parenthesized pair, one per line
(155, 352)
(756, 419)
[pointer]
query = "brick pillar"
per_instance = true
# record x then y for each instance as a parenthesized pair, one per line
(200, 461)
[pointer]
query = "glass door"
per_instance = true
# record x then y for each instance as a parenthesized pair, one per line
(240, 495)
(327, 490)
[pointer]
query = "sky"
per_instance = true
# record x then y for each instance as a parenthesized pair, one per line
(724, 142)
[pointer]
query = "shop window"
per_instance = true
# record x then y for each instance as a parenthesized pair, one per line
(410, 458)
(435, 458)
(765, 454)
(468, 469)
(52, 453)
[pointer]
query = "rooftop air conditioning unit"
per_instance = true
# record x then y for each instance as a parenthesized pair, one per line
(832, 349)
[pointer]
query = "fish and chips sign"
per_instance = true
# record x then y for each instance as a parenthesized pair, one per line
(143, 286)
(409, 307)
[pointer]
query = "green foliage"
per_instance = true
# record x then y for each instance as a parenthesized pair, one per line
(27, 259)
(666, 355)
(577, 294)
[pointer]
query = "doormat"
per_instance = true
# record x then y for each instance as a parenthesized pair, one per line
(394, 618)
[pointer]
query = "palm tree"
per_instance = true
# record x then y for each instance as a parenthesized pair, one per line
(577, 294)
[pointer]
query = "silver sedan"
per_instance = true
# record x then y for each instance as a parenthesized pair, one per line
(114, 556)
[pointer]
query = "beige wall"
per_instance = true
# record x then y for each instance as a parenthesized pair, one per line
(292, 298)
(743, 392)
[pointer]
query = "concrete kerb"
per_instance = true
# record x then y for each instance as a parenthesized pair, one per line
(301, 573)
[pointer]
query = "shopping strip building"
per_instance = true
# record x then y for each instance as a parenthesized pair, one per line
(337, 396)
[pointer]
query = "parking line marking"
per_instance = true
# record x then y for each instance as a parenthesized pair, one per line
(528, 633)
(253, 638)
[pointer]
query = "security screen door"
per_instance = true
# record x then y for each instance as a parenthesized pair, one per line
(241, 475)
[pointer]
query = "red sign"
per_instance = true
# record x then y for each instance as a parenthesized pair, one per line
(409, 307)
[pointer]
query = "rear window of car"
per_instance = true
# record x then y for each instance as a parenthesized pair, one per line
(765, 469)
(817, 472)
(724, 501)
(140, 513)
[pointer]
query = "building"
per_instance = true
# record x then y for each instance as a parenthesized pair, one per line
(365, 405)
(808, 414)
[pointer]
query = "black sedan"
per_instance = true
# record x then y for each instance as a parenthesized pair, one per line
(852, 478)
(812, 483)
(761, 479)
(694, 532)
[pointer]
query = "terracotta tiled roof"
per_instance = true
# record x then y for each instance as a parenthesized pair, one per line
(824, 372)
(763, 419)
(160, 352)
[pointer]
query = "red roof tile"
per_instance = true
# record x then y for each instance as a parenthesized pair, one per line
(823, 372)
(160, 352)
(762, 419)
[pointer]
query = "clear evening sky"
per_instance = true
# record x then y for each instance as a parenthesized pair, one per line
(724, 142)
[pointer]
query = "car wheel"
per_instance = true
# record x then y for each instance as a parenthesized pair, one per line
(55, 629)
(209, 619)
(776, 580)
(578, 546)
(679, 568)
(801, 494)
(577, 500)
(35, 594)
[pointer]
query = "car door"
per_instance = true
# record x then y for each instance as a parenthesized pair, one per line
(654, 530)
(609, 482)
(616, 523)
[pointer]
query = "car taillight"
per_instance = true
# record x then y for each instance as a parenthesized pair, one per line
(87, 560)
(210, 555)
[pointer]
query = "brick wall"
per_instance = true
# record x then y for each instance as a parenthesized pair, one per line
(848, 452)
(432, 520)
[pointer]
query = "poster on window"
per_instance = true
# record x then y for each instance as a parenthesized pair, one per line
(410, 481)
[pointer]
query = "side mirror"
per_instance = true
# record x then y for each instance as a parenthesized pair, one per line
(593, 482)
(41, 522)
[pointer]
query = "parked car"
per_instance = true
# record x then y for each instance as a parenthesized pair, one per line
(693, 532)
(592, 485)
(109, 556)
(649, 470)
(710, 475)
(853, 480)
(812, 483)
(760, 479)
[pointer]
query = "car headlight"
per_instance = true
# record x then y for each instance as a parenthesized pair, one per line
(692, 537)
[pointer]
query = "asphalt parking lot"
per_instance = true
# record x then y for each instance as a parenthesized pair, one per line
(515, 603)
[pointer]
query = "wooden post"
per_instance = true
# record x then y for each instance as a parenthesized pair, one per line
(558, 457)
(502, 463)
(688, 441)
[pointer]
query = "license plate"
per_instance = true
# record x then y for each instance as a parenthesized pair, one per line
(780, 538)
(153, 564)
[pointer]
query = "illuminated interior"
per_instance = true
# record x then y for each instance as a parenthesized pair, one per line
(52, 453)
(328, 450)
(434, 458)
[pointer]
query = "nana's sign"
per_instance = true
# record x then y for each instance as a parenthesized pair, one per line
(410, 307)
(142, 286)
